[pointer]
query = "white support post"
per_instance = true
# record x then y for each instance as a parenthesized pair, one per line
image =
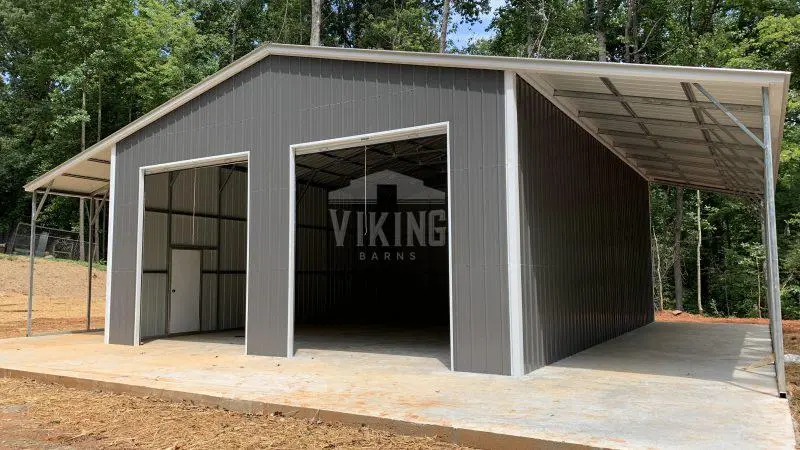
(32, 252)
(771, 244)
(513, 236)
(35, 210)
(89, 265)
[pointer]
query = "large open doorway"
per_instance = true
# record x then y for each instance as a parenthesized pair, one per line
(371, 245)
(193, 249)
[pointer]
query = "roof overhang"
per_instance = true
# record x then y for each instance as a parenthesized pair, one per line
(653, 117)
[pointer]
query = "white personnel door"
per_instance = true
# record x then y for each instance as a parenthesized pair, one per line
(184, 306)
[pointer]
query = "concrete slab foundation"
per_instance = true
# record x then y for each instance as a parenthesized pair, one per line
(667, 385)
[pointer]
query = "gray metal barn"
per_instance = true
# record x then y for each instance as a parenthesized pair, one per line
(500, 202)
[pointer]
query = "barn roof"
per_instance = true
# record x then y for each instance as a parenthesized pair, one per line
(673, 125)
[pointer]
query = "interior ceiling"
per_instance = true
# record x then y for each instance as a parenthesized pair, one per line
(669, 130)
(421, 158)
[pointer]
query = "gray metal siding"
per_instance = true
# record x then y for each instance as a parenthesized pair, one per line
(281, 101)
(585, 236)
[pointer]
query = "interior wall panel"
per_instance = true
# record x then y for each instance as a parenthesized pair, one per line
(585, 236)
(199, 231)
(192, 231)
(154, 291)
(195, 190)
(209, 305)
(235, 183)
(281, 101)
(233, 245)
(154, 241)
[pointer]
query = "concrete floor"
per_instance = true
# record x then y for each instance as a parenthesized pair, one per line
(667, 385)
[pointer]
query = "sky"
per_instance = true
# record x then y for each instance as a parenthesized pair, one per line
(464, 32)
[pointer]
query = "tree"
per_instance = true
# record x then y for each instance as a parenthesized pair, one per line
(468, 10)
(316, 21)
(444, 26)
(676, 263)
(699, 266)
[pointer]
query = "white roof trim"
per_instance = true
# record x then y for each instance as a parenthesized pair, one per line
(777, 81)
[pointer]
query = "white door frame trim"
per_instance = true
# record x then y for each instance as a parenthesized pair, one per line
(354, 141)
(110, 242)
(216, 160)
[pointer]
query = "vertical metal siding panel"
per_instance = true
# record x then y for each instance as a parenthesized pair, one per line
(209, 321)
(495, 226)
(154, 245)
(155, 191)
(152, 308)
(477, 202)
(460, 230)
(583, 212)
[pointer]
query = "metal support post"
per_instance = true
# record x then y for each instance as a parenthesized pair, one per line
(32, 255)
(771, 244)
(90, 259)
(35, 210)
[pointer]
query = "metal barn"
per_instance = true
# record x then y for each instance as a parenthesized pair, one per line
(492, 211)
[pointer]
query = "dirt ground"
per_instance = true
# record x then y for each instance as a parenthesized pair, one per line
(37, 415)
(59, 296)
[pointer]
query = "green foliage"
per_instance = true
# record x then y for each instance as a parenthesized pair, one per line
(410, 28)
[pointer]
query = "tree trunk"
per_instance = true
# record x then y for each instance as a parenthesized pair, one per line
(658, 271)
(83, 121)
(96, 229)
(316, 13)
(758, 279)
(699, 243)
(81, 237)
(676, 266)
(600, 31)
(632, 32)
(443, 29)
(628, 31)
(81, 206)
(99, 109)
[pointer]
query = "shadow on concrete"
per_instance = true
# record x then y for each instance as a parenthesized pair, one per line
(424, 342)
(738, 354)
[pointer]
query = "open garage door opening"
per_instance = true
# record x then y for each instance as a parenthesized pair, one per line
(194, 251)
(372, 255)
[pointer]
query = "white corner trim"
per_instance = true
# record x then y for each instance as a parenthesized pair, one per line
(247, 257)
(137, 310)
(370, 138)
(110, 245)
(450, 250)
(514, 251)
(292, 250)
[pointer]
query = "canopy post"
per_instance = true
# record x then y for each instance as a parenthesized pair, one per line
(90, 259)
(771, 244)
(35, 210)
(32, 252)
